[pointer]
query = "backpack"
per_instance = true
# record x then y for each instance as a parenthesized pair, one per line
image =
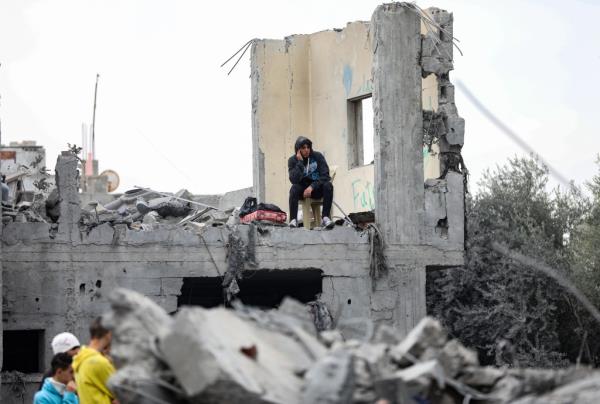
(249, 206)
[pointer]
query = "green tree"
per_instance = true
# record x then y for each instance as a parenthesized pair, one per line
(586, 246)
(509, 313)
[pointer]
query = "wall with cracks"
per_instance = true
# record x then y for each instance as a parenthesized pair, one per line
(57, 284)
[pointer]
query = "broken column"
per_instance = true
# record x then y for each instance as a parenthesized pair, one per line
(67, 184)
(399, 189)
(398, 124)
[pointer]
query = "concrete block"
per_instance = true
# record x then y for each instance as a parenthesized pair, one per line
(384, 334)
(421, 377)
(330, 380)
(136, 323)
(582, 391)
(67, 183)
(484, 376)
(205, 349)
(427, 334)
(300, 312)
(455, 130)
(360, 329)
(454, 357)
(135, 320)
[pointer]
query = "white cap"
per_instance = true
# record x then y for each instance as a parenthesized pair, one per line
(63, 342)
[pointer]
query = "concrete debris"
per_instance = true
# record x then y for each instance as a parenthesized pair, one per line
(147, 210)
(321, 316)
(426, 337)
(137, 325)
(164, 206)
(138, 209)
(300, 312)
(203, 350)
(337, 369)
(436, 56)
(247, 355)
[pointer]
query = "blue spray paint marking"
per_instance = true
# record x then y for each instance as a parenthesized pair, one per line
(347, 79)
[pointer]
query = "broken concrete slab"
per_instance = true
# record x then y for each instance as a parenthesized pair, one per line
(248, 355)
(484, 376)
(421, 377)
(583, 391)
(301, 312)
(330, 380)
(428, 334)
(205, 351)
(454, 357)
(137, 323)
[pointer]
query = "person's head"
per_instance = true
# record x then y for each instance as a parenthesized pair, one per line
(61, 368)
(100, 336)
(65, 342)
(304, 145)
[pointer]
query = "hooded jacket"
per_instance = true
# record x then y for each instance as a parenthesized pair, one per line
(92, 370)
(312, 171)
(49, 395)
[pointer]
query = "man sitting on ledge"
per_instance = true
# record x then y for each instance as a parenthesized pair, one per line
(309, 175)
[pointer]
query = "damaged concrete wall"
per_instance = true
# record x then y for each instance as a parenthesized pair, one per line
(56, 275)
(305, 85)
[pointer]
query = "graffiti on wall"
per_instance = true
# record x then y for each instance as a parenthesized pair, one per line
(363, 196)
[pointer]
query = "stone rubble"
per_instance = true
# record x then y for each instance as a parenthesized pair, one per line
(137, 208)
(246, 355)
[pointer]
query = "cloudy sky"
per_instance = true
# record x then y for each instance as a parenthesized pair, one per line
(169, 118)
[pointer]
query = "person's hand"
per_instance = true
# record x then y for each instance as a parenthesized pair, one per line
(308, 192)
(298, 155)
(71, 386)
(115, 401)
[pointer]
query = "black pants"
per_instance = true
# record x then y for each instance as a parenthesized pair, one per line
(325, 191)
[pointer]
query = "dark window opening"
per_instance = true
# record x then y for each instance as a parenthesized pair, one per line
(23, 350)
(265, 289)
(361, 141)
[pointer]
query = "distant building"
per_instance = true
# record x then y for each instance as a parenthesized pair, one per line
(24, 164)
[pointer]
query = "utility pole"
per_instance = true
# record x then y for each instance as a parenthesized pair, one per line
(94, 119)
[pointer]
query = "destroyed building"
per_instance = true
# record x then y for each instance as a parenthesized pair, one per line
(57, 273)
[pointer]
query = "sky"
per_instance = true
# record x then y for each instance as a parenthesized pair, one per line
(168, 117)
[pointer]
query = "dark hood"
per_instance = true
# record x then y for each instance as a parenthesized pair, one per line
(301, 141)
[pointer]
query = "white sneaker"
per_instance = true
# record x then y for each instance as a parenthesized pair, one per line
(327, 223)
(293, 223)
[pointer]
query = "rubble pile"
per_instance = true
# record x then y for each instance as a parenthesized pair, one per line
(138, 209)
(31, 207)
(147, 210)
(278, 356)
